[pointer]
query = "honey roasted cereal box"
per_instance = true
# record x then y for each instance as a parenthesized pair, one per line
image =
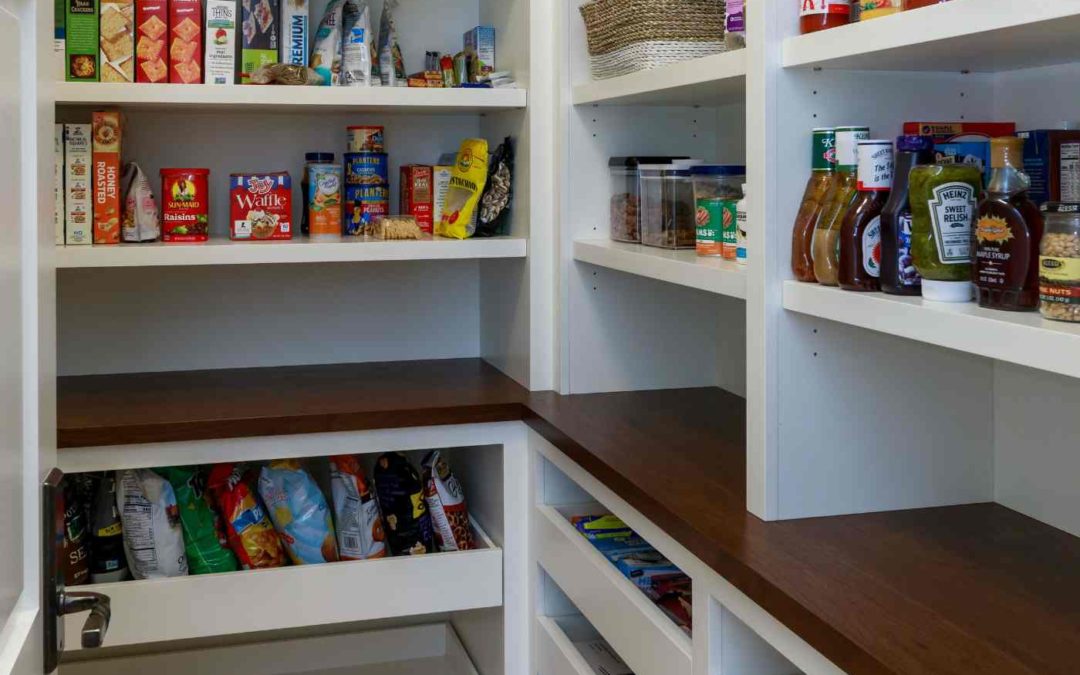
(106, 177)
(185, 41)
(151, 35)
(81, 41)
(117, 40)
(260, 206)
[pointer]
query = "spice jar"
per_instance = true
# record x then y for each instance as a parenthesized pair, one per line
(1059, 262)
(667, 206)
(717, 191)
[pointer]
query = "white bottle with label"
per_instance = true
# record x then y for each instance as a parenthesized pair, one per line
(740, 223)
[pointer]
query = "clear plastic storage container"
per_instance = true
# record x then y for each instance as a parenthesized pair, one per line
(667, 206)
(625, 204)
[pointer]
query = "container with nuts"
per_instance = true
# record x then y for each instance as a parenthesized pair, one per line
(1059, 262)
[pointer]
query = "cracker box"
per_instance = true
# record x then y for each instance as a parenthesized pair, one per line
(81, 41)
(947, 132)
(259, 41)
(260, 206)
(295, 27)
(185, 41)
(151, 35)
(106, 177)
(117, 40)
(480, 45)
(58, 182)
(78, 211)
(1052, 162)
(220, 60)
(417, 184)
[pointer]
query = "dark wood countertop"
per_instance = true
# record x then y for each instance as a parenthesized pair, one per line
(960, 590)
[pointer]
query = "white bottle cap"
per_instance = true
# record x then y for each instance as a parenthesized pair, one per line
(947, 291)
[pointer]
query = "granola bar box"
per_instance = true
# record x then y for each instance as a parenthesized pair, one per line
(260, 206)
(185, 41)
(151, 36)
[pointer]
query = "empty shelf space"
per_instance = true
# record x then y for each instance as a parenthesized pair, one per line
(707, 81)
(683, 267)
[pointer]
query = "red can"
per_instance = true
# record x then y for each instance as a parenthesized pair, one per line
(815, 15)
(185, 200)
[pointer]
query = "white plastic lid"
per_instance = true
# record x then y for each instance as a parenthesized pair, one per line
(947, 291)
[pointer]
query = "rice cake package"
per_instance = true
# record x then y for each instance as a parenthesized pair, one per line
(295, 27)
(185, 41)
(117, 39)
(326, 53)
(401, 498)
(153, 537)
(106, 176)
(220, 61)
(151, 34)
(259, 39)
(356, 511)
(446, 502)
(81, 46)
(440, 177)
(78, 209)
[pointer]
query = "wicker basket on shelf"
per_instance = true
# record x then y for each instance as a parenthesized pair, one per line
(626, 36)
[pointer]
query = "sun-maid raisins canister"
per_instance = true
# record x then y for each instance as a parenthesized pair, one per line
(185, 205)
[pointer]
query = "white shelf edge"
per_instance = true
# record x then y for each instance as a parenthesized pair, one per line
(296, 251)
(701, 72)
(682, 267)
(1023, 338)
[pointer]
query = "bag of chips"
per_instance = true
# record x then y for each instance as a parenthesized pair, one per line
(391, 64)
(140, 221)
(359, 523)
(356, 44)
(206, 546)
(401, 498)
(446, 503)
(153, 540)
(495, 202)
(249, 532)
(299, 512)
(467, 180)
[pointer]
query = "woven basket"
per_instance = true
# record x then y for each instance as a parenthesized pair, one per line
(625, 36)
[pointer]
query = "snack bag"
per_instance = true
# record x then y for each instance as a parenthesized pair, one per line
(326, 54)
(391, 64)
(206, 552)
(356, 44)
(76, 544)
(299, 512)
(446, 502)
(153, 540)
(140, 221)
(495, 203)
(359, 523)
(108, 562)
(249, 532)
(467, 182)
(401, 498)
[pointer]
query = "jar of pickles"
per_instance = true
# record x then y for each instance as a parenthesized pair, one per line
(1059, 262)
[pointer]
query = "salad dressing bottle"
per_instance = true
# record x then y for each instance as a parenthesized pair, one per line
(822, 177)
(826, 244)
(860, 235)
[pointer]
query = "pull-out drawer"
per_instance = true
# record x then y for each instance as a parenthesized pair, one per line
(556, 648)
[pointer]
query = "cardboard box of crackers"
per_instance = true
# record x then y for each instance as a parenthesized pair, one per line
(185, 41)
(151, 36)
(117, 40)
(81, 41)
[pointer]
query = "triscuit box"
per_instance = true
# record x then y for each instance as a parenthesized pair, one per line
(106, 175)
(117, 40)
(185, 41)
(259, 41)
(78, 212)
(221, 18)
(151, 36)
(295, 25)
(58, 182)
(81, 41)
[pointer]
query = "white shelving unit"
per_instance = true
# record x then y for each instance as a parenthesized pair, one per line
(684, 268)
(707, 81)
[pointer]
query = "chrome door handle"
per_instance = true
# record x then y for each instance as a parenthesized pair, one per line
(93, 631)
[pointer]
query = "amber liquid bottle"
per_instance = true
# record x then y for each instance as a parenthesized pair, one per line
(826, 244)
(823, 172)
(1008, 230)
(860, 235)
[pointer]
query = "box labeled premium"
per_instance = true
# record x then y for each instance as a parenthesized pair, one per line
(78, 212)
(295, 28)
(221, 18)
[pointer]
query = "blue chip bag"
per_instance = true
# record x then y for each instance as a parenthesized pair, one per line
(299, 512)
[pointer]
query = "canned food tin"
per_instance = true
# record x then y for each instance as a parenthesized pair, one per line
(367, 168)
(365, 138)
(363, 204)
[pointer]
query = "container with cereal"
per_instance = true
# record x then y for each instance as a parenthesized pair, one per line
(324, 200)
(185, 205)
(625, 220)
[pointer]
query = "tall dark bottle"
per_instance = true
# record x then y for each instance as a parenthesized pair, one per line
(898, 273)
(859, 266)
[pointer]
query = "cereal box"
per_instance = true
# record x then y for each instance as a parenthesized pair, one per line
(259, 41)
(81, 41)
(480, 45)
(151, 26)
(58, 183)
(260, 206)
(416, 195)
(117, 40)
(295, 25)
(78, 211)
(106, 177)
(324, 200)
(221, 41)
(185, 41)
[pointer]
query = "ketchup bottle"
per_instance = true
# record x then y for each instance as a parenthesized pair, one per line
(818, 15)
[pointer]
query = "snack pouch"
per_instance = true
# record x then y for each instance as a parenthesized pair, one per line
(299, 512)
(359, 523)
(466, 185)
(249, 532)
(446, 502)
(206, 552)
(140, 221)
(326, 52)
(153, 540)
(494, 205)
(401, 498)
(356, 44)
(391, 64)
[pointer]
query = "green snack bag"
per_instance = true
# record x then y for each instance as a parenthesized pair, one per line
(206, 551)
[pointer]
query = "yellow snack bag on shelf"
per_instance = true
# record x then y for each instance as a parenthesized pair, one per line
(466, 186)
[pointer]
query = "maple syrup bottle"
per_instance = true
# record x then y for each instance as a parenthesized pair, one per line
(1008, 229)
(860, 235)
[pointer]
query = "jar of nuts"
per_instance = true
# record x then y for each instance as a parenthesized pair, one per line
(1059, 262)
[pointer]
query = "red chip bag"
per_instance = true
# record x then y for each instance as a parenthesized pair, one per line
(250, 534)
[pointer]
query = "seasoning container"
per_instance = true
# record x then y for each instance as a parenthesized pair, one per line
(624, 210)
(873, 9)
(667, 206)
(898, 273)
(822, 176)
(815, 15)
(860, 235)
(1059, 262)
(717, 190)
(826, 244)
(742, 219)
(944, 202)
(309, 159)
(185, 205)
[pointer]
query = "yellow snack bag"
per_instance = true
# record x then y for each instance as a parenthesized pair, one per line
(466, 186)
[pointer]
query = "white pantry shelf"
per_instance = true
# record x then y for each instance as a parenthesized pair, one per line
(683, 267)
(1024, 338)
(270, 98)
(295, 251)
(710, 80)
(961, 35)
